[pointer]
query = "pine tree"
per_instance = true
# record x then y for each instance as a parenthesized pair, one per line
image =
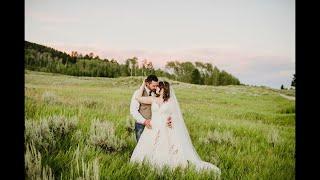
(195, 77)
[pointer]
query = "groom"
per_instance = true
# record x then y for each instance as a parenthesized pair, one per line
(142, 112)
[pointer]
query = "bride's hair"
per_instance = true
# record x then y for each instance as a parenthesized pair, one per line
(166, 89)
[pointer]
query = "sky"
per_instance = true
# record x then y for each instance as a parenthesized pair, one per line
(254, 40)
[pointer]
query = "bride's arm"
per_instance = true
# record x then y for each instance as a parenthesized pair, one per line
(140, 98)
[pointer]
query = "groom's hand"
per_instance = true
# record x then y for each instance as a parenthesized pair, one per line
(147, 123)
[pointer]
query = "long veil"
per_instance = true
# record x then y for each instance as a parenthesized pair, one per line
(183, 137)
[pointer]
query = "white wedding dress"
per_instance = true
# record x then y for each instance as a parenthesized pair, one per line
(162, 145)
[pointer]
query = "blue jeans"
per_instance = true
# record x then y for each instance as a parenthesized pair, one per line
(138, 129)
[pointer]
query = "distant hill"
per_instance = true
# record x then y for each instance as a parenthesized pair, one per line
(46, 59)
(44, 49)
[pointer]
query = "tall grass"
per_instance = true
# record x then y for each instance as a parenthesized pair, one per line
(80, 128)
(33, 164)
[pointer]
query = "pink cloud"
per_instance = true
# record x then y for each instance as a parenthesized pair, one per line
(250, 68)
(223, 58)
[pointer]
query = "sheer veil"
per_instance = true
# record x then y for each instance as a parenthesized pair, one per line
(182, 136)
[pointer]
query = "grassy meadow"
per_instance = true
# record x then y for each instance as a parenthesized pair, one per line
(80, 128)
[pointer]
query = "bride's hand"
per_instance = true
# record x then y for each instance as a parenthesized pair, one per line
(169, 122)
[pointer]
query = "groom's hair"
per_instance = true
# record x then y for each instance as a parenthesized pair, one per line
(151, 78)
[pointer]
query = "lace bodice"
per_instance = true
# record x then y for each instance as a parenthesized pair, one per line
(160, 112)
(163, 108)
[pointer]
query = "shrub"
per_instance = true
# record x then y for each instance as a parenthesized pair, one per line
(89, 103)
(102, 134)
(50, 98)
(273, 137)
(39, 134)
(219, 137)
(49, 130)
(61, 126)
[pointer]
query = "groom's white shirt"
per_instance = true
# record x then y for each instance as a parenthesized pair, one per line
(134, 107)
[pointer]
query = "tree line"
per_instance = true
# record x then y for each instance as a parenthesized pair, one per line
(46, 59)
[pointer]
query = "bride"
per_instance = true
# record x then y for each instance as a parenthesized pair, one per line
(162, 145)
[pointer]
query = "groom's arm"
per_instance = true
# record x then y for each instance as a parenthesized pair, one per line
(134, 109)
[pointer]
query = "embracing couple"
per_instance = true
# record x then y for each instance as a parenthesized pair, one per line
(162, 136)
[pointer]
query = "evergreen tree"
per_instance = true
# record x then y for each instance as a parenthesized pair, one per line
(195, 77)
(215, 76)
(42, 58)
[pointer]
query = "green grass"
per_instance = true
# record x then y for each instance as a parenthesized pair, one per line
(248, 132)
